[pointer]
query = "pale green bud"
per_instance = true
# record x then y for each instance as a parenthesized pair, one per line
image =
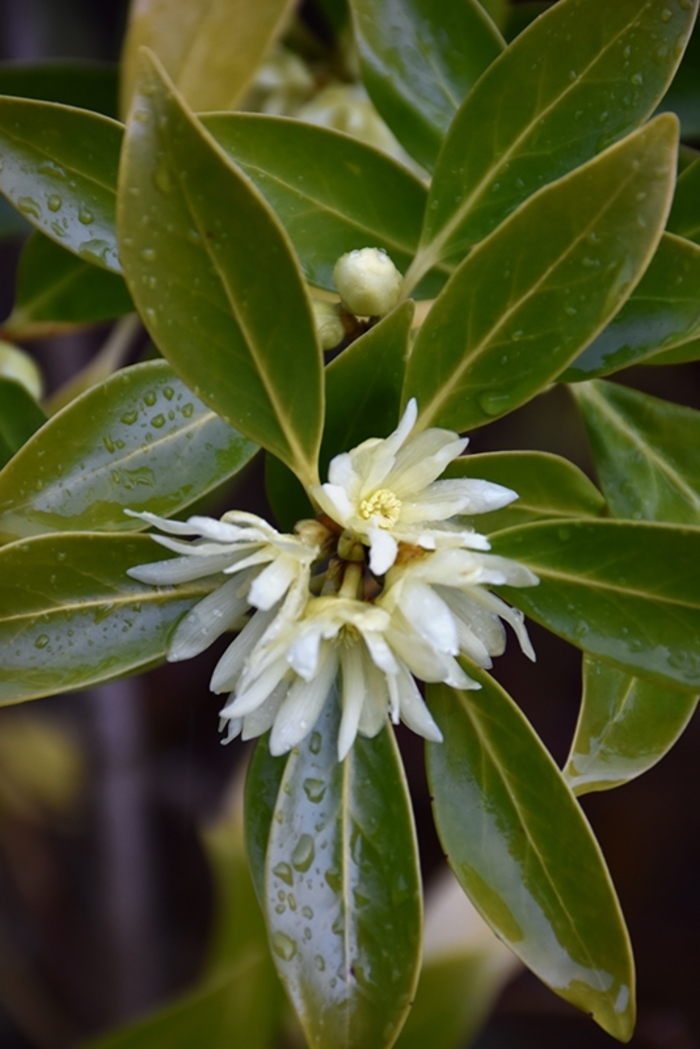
(368, 282)
(329, 326)
(18, 365)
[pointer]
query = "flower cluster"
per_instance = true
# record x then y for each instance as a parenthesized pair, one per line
(386, 586)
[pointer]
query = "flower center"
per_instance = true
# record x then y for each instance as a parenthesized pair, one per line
(384, 505)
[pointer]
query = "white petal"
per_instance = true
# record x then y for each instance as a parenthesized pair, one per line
(272, 583)
(481, 631)
(178, 570)
(304, 651)
(354, 695)
(383, 550)
(260, 720)
(229, 667)
(422, 460)
(512, 572)
(254, 696)
(430, 617)
(303, 705)
(164, 523)
(233, 729)
(334, 501)
(374, 711)
(209, 619)
(413, 710)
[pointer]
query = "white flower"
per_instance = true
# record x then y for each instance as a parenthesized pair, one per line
(439, 609)
(385, 491)
(285, 680)
(265, 565)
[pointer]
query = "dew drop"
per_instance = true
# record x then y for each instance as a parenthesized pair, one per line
(148, 254)
(42, 641)
(108, 443)
(187, 410)
(637, 79)
(129, 418)
(28, 206)
(304, 853)
(54, 202)
(666, 14)
(314, 789)
(307, 913)
(334, 880)
(494, 403)
(168, 393)
(163, 180)
(158, 421)
(284, 872)
(315, 741)
(283, 946)
(85, 216)
(319, 963)
(150, 398)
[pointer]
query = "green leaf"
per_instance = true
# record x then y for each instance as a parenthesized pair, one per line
(685, 212)
(496, 10)
(211, 49)
(55, 289)
(419, 60)
(520, 16)
(141, 440)
(662, 313)
(20, 417)
(645, 451)
(528, 299)
(342, 889)
(547, 486)
(580, 77)
(70, 616)
(214, 277)
(87, 85)
(687, 351)
(363, 385)
(627, 592)
(330, 192)
(262, 787)
(58, 166)
(625, 726)
(524, 853)
(683, 96)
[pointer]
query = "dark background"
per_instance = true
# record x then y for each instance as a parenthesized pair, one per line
(106, 901)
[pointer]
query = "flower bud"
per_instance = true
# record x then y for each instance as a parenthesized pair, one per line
(368, 282)
(18, 365)
(329, 326)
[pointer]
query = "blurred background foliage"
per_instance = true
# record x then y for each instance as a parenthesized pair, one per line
(108, 891)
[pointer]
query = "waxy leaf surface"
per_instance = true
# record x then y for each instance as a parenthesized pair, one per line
(331, 192)
(342, 889)
(218, 287)
(20, 417)
(58, 166)
(685, 213)
(528, 299)
(625, 726)
(71, 617)
(419, 60)
(683, 96)
(56, 290)
(363, 385)
(547, 486)
(645, 452)
(627, 592)
(581, 76)
(663, 312)
(140, 440)
(522, 850)
(210, 48)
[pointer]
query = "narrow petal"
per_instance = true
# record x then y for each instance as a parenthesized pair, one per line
(272, 583)
(374, 711)
(254, 696)
(304, 651)
(414, 712)
(431, 617)
(178, 570)
(209, 619)
(164, 523)
(303, 704)
(354, 696)
(261, 719)
(228, 669)
(423, 459)
(334, 501)
(233, 729)
(383, 550)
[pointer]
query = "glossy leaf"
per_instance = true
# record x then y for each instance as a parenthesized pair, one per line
(528, 299)
(599, 71)
(55, 289)
(20, 417)
(210, 48)
(363, 385)
(683, 96)
(625, 726)
(496, 10)
(70, 616)
(523, 852)
(685, 213)
(687, 351)
(262, 787)
(663, 312)
(331, 192)
(419, 60)
(245, 343)
(645, 451)
(342, 889)
(520, 16)
(87, 85)
(547, 486)
(141, 440)
(627, 592)
(59, 169)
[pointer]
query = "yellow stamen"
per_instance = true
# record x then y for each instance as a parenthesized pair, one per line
(383, 504)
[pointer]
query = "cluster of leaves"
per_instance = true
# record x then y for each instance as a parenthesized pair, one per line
(554, 245)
